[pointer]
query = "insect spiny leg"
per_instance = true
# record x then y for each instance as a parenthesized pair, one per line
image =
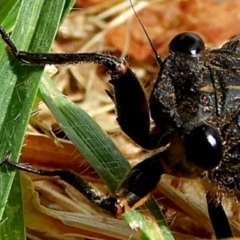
(8, 41)
(107, 203)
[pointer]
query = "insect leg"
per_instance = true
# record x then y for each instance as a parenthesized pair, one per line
(107, 203)
(132, 110)
(218, 217)
(139, 183)
(133, 191)
(130, 99)
(111, 62)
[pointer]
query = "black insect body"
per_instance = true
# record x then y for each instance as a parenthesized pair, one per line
(195, 106)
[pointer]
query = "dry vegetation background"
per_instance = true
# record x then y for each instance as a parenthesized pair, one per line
(56, 211)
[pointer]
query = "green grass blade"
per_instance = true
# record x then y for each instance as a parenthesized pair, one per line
(12, 225)
(34, 31)
(8, 12)
(156, 212)
(99, 150)
(19, 85)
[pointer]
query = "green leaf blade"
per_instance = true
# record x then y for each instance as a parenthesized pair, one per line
(100, 152)
(97, 148)
(19, 86)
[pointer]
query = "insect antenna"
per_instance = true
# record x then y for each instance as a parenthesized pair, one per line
(158, 58)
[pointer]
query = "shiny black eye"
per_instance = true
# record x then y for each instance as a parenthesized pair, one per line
(204, 147)
(188, 43)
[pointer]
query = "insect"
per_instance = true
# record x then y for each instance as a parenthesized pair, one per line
(194, 105)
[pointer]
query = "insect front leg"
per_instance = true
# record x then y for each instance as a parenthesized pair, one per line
(130, 99)
(133, 111)
(133, 191)
(73, 179)
(139, 183)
